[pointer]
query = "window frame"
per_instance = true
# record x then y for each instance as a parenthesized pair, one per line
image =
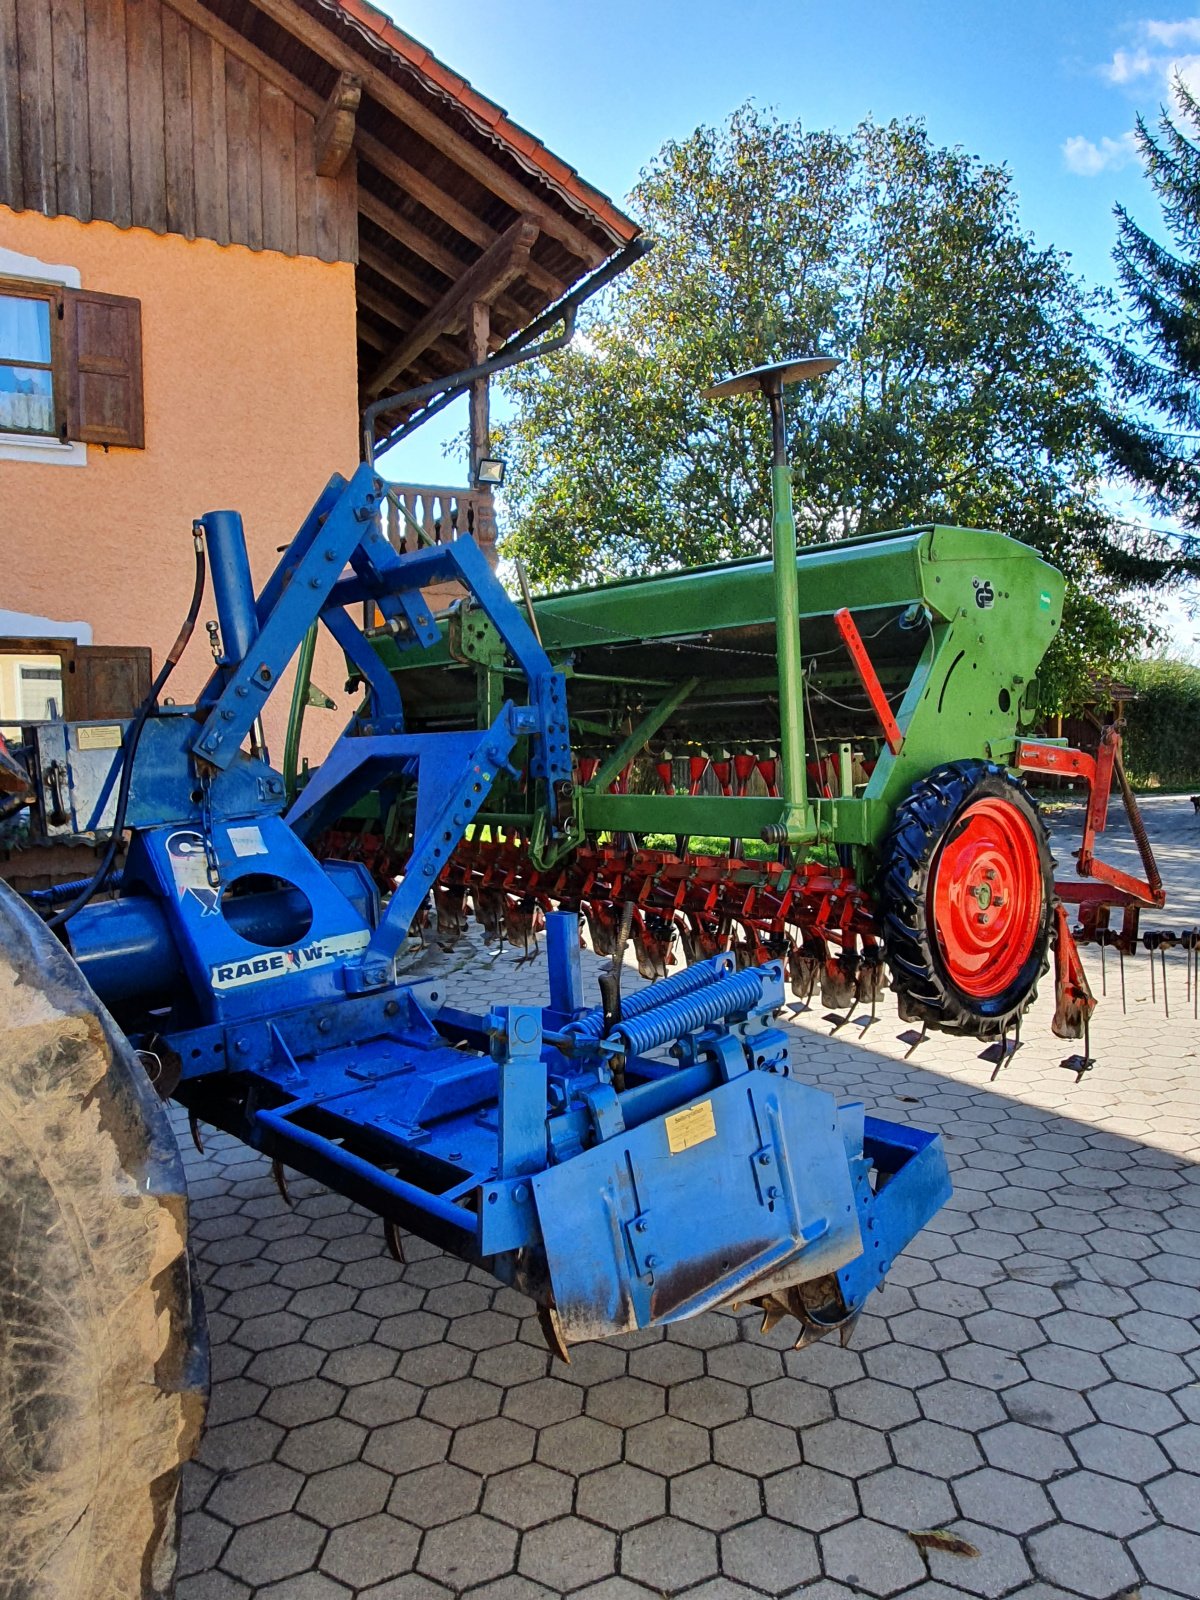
(40, 289)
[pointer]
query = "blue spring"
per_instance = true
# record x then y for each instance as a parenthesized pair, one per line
(673, 1018)
(591, 1025)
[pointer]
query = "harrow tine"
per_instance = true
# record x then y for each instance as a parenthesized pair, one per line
(394, 1240)
(1121, 959)
(281, 1184)
(194, 1130)
(919, 1040)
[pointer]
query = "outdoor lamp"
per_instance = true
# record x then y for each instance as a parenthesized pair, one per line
(489, 472)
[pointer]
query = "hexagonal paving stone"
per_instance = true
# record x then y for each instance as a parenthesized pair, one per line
(845, 1447)
(436, 1494)
(344, 1494)
(1119, 1453)
(293, 1404)
(1104, 1504)
(1169, 1557)
(580, 1445)
(792, 1402)
(744, 1362)
(999, 1567)
(276, 1548)
(316, 1445)
(906, 1499)
(707, 1401)
(1176, 1500)
(668, 1555)
(255, 1492)
(462, 1401)
(755, 1446)
(542, 1402)
(1085, 1561)
(240, 1444)
(468, 1551)
(566, 1554)
(405, 1446)
(714, 1497)
(530, 1494)
(810, 1498)
(933, 1447)
(621, 1496)
(871, 1557)
(770, 1555)
(1002, 1499)
(625, 1401)
(368, 1552)
(879, 1405)
(666, 1362)
(1031, 1452)
(493, 1446)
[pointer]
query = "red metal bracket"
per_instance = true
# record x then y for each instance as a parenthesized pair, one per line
(1097, 771)
(869, 679)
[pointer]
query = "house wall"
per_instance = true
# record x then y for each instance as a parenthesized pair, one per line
(251, 402)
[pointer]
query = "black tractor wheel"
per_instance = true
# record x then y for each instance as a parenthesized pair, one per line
(103, 1360)
(966, 899)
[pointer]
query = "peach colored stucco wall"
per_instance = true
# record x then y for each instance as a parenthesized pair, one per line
(249, 366)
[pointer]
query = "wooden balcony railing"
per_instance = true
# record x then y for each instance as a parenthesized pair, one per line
(417, 514)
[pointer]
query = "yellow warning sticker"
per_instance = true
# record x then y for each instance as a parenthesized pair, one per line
(108, 738)
(690, 1127)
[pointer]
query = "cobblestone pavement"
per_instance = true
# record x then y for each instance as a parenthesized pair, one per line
(1029, 1378)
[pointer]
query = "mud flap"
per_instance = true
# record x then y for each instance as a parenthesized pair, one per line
(746, 1188)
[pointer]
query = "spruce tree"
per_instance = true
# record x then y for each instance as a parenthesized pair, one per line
(1154, 438)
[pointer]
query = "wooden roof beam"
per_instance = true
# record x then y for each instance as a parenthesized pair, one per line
(482, 281)
(447, 349)
(448, 264)
(334, 133)
(292, 17)
(372, 150)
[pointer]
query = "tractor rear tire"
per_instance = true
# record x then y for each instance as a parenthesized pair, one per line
(966, 899)
(103, 1358)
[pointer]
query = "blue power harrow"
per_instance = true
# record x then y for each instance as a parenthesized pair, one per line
(623, 1167)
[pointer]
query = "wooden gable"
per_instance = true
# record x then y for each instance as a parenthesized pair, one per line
(133, 112)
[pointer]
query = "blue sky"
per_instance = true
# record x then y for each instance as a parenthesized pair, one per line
(1050, 88)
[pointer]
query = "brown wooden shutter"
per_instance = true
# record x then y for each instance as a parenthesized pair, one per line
(102, 369)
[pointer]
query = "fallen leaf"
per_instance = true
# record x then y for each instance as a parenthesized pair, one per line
(942, 1539)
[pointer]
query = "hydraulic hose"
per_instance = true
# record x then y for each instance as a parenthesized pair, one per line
(130, 743)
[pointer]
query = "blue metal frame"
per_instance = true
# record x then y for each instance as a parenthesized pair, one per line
(619, 1186)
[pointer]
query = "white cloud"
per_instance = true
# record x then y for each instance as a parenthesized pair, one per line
(1157, 55)
(1127, 66)
(1088, 158)
(1171, 34)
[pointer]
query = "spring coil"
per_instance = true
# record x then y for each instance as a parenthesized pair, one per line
(591, 1025)
(670, 1020)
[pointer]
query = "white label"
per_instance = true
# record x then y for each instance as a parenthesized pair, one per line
(247, 841)
(286, 963)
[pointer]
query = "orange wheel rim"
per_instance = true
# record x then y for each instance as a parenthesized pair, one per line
(987, 896)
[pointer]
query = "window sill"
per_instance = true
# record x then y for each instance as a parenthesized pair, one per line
(49, 452)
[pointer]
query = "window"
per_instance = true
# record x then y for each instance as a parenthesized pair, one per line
(70, 365)
(26, 364)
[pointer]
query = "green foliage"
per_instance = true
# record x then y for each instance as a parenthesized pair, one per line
(1162, 740)
(969, 393)
(1156, 357)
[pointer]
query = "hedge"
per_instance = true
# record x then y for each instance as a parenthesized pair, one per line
(1162, 738)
